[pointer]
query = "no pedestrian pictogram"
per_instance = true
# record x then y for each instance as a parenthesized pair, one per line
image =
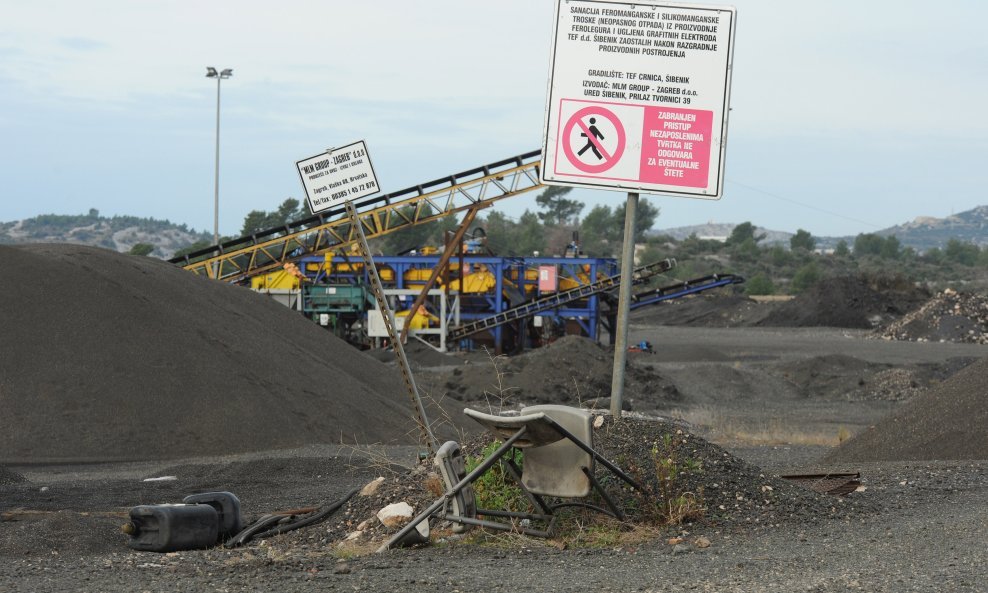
(592, 150)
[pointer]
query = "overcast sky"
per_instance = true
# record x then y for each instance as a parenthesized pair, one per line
(847, 116)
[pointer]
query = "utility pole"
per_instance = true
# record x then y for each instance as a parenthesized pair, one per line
(219, 76)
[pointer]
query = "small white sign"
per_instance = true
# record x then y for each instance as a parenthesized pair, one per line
(376, 328)
(337, 176)
(638, 96)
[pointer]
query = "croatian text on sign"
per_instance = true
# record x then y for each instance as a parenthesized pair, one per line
(338, 175)
(638, 97)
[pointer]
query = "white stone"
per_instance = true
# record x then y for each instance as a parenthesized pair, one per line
(371, 488)
(395, 515)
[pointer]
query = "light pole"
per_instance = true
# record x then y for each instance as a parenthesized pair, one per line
(212, 73)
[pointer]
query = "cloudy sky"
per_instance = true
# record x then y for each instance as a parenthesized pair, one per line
(847, 116)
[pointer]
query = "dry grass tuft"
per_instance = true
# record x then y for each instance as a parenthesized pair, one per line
(721, 429)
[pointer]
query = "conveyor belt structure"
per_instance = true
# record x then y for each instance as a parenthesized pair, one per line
(686, 288)
(238, 260)
(557, 299)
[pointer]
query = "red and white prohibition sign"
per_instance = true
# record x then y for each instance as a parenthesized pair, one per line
(588, 151)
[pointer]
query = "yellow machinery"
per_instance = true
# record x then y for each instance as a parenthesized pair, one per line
(288, 278)
(478, 282)
(280, 280)
(421, 320)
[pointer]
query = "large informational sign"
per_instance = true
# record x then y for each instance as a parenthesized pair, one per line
(337, 175)
(639, 97)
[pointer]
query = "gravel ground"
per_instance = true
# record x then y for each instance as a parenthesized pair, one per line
(916, 525)
(923, 530)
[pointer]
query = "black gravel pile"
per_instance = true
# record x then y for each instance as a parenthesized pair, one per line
(108, 356)
(9, 476)
(848, 301)
(572, 371)
(947, 422)
(726, 491)
(840, 377)
(733, 491)
(950, 316)
(720, 309)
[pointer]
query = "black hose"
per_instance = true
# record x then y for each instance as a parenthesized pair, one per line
(284, 524)
(251, 530)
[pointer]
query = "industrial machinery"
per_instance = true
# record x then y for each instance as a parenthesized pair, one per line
(471, 291)
(476, 298)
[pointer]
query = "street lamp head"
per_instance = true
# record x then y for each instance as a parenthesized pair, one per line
(212, 73)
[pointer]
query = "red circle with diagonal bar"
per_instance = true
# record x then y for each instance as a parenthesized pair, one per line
(577, 120)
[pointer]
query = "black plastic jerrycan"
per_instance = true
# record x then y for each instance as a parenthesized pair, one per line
(227, 507)
(204, 520)
(172, 527)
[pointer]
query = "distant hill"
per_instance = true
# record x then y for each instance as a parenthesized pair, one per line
(119, 233)
(720, 231)
(922, 234)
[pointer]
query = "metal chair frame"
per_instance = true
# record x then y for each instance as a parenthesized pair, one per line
(543, 430)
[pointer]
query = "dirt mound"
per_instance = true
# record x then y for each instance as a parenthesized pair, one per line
(704, 310)
(946, 422)
(62, 532)
(719, 489)
(833, 375)
(950, 316)
(847, 301)
(572, 371)
(109, 356)
(418, 354)
(9, 476)
(841, 377)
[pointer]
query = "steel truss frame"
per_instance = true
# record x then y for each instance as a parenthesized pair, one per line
(240, 259)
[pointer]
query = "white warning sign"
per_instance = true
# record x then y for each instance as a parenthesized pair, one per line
(337, 175)
(638, 96)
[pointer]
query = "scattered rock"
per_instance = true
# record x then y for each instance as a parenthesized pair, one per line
(395, 515)
(372, 487)
(950, 316)
(701, 542)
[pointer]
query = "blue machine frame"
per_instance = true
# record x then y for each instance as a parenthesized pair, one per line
(481, 305)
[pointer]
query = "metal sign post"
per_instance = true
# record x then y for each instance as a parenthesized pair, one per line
(624, 306)
(389, 321)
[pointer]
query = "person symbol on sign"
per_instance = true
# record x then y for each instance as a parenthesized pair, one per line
(590, 145)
